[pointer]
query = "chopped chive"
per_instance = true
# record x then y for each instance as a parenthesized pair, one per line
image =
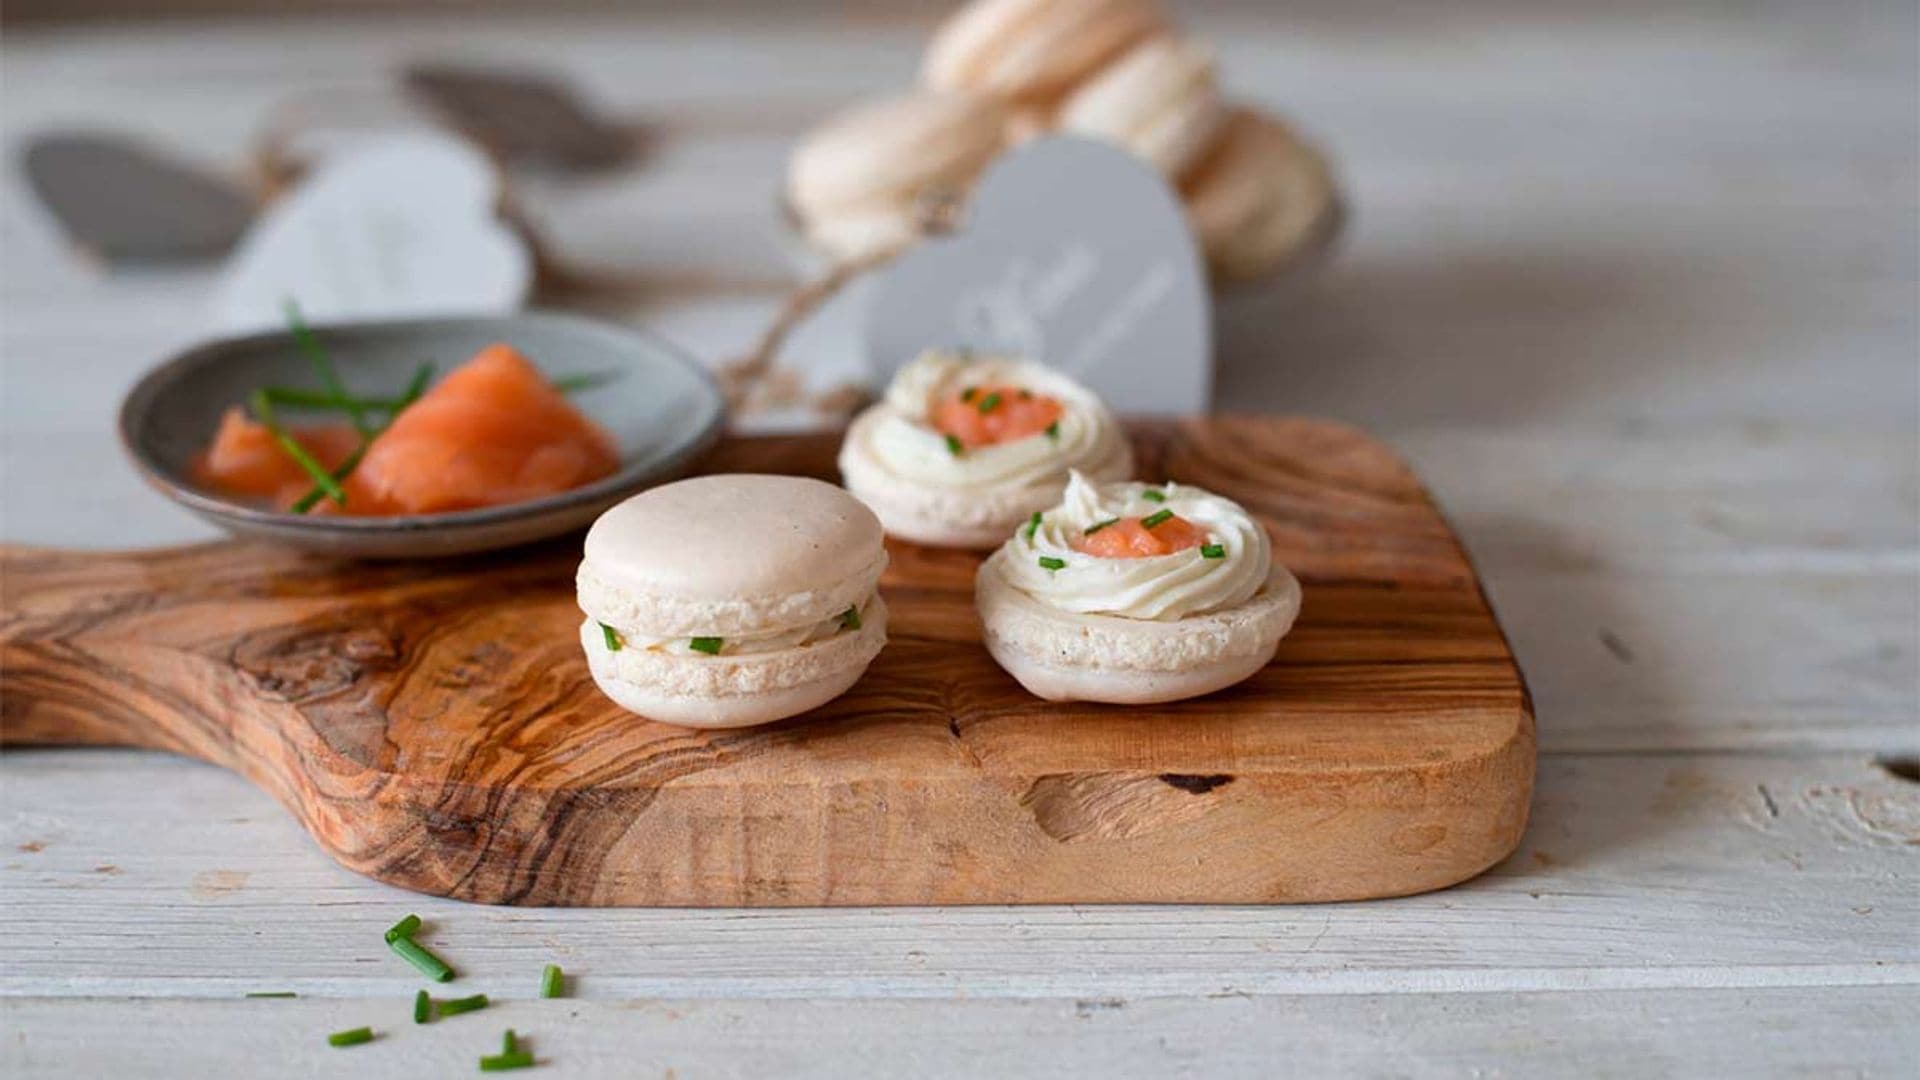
(509, 1043)
(456, 1006)
(1154, 495)
(1098, 525)
(851, 619)
(415, 388)
(1156, 518)
(1053, 431)
(990, 403)
(405, 928)
(1212, 551)
(709, 645)
(350, 1037)
(506, 1062)
(328, 376)
(428, 964)
(611, 636)
(969, 394)
(1033, 524)
(299, 398)
(1048, 562)
(263, 409)
(955, 446)
(422, 1007)
(574, 384)
(271, 994)
(552, 981)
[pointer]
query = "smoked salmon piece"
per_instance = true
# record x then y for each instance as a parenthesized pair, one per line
(1130, 538)
(988, 415)
(494, 431)
(244, 460)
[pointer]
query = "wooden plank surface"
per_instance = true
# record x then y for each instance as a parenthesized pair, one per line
(1631, 285)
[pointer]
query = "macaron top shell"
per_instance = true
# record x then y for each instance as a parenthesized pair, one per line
(1030, 50)
(895, 150)
(731, 553)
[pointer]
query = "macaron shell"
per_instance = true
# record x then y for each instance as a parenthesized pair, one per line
(732, 536)
(1032, 50)
(1158, 100)
(726, 691)
(972, 518)
(1261, 196)
(883, 154)
(1105, 658)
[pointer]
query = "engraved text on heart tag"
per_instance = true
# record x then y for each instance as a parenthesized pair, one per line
(1075, 254)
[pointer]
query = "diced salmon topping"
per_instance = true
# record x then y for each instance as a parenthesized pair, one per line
(1131, 538)
(989, 415)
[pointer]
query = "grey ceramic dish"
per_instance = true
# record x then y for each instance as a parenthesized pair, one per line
(661, 406)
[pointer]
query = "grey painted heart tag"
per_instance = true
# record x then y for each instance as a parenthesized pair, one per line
(1075, 254)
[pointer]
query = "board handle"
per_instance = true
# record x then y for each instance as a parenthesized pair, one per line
(85, 656)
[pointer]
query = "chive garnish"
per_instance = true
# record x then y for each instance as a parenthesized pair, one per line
(428, 964)
(969, 394)
(990, 403)
(611, 636)
(323, 480)
(1156, 518)
(300, 398)
(422, 1007)
(350, 1037)
(574, 384)
(1212, 551)
(506, 1062)
(414, 389)
(1098, 525)
(456, 1006)
(850, 620)
(552, 981)
(405, 928)
(1053, 431)
(1154, 495)
(709, 645)
(509, 1043)
(955, 446)
(271, 994)
(329, 377)
(1048, 562)
(1033, 524)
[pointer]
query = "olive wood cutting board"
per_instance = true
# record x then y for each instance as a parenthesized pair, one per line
(432, 724)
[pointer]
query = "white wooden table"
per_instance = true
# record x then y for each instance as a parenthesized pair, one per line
(1635, 287)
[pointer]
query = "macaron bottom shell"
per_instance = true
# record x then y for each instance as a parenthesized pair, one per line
(1069, 656)
(732, 692)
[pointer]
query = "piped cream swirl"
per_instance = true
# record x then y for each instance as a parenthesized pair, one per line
(1160, 587)
(903, 440)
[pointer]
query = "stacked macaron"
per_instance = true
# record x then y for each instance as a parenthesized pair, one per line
(1133, 593)
(962, 448)
(732, 600)
(1000, 71)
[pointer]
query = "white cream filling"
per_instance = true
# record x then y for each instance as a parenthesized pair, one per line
(1160, 587)
(905, 443)
(765, 641)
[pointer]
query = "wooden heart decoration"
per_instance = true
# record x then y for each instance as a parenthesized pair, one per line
(402, 227)
(121, 200)
(1073, 253)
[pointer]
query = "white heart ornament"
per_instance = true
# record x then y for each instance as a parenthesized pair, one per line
(1073, 253)
(397, 228)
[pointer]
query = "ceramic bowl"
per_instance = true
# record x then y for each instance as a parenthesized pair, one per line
(661, 406)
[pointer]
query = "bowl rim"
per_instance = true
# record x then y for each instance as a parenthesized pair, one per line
(134, 413)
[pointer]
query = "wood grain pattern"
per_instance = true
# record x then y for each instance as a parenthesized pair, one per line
(432, 726)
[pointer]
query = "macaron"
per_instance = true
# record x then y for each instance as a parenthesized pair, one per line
(1032, 51)
(963, 447)
(725, 601)
(1159, 99)
(1260, 198)
(863, 181)
(1134, 593)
